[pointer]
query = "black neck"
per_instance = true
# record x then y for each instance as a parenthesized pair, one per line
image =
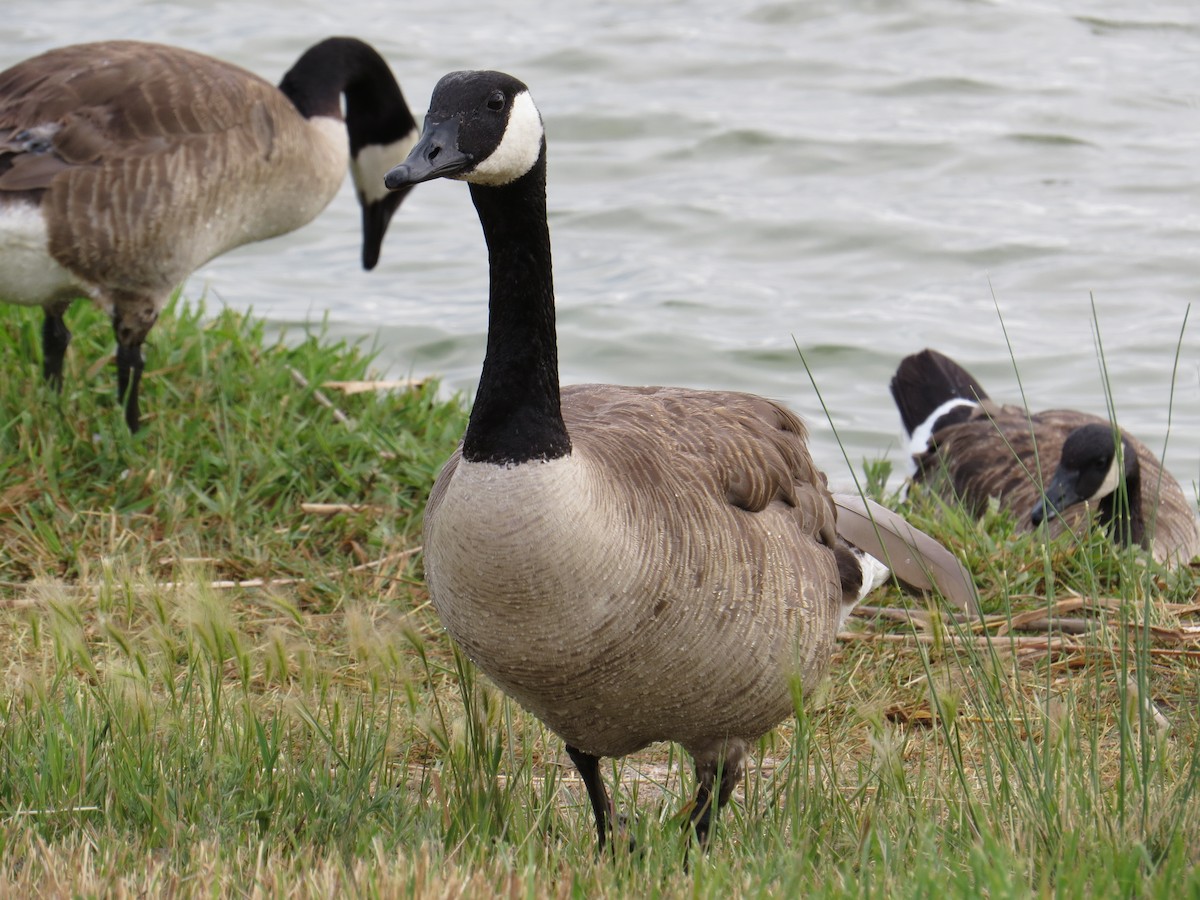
(516, 416)
(375, 109)
(1123, 514)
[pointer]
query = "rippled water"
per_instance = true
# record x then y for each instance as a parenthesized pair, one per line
(729, 182)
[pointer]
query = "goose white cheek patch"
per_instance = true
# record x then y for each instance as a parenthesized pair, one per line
(1112, 478)
(374, 161)
(519, 148)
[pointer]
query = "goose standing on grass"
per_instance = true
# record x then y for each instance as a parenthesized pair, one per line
(125, 166)
(970, 450)
(632, 564)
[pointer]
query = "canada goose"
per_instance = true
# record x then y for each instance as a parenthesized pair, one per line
(631, 564)
(970, 449)
(125, 166)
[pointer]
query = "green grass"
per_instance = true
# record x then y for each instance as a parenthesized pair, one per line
(214, 685)
(231, 448)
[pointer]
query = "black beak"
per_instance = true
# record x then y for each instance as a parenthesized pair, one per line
(375, 218)
(1060, 494)
(436, 155)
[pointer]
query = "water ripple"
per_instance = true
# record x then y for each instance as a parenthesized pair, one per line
(861, 178)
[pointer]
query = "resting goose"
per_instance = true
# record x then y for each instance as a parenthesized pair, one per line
(124, 166)
(970, 449)
(631, 564)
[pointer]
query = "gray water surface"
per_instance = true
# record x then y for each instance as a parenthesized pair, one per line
(731, 182)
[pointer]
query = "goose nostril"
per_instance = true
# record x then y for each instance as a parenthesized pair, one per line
(433, 153)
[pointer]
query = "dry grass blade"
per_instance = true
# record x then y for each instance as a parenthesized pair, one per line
(387, 560)
(360, 387)
(320, 397)
(333, 509)
(1006, 643)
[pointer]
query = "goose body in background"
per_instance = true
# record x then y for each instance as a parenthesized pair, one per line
(969, 450)
(124, 166)
(632, 564)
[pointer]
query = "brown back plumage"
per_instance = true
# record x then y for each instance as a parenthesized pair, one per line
(1007, 454)
(159, 159)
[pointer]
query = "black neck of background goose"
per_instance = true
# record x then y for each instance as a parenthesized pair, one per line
(375, 109)
(1123, 514)
(517, 416)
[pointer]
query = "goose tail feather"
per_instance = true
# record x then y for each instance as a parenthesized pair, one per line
(914, 557)
(929, 382)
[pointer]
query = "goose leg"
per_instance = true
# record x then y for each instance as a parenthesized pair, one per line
(589, 771)
(133, 317)
(55, 338)
(129, 377)
(705, 808)
(703, 815)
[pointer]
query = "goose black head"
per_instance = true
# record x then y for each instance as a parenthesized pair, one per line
(482, 127)
(1090, 469)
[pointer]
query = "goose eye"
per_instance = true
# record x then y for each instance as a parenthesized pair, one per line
(496, 102)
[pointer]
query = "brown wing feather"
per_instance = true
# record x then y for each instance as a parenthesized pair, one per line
(1004, 453)
(737, 448)
(913, 556)
(1000, 453)
(111, 97)
(1175, 533)
(1169, 516)
(125, 129)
